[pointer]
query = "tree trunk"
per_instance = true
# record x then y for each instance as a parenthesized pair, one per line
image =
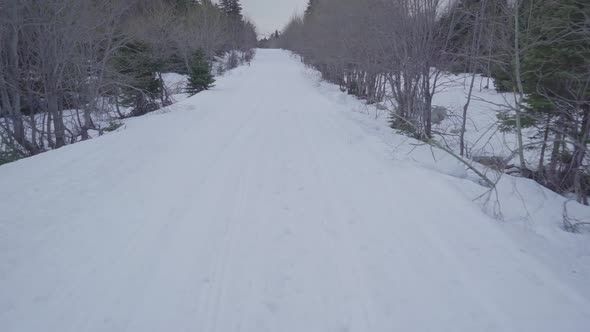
(462, 151)
(541, 167)
(555, 157)
(578, 157)
(57, 117)
(518, 77)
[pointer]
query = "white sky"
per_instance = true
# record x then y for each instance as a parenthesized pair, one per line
(271, 15)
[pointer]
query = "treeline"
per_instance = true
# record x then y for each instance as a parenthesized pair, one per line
(62, 62)
(272, 41)
(539, 50)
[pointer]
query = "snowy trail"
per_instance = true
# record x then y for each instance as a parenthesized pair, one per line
(258, 206)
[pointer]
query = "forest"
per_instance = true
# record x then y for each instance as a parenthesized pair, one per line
(535, 51)
(65, 63)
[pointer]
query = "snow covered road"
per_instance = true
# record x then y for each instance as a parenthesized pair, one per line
(258, 206)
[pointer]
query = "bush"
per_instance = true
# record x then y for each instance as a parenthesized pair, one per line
(8, 157)
(200, 74)
(113, 125)
(233, 61)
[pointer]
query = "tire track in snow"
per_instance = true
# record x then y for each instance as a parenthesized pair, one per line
(329, 220)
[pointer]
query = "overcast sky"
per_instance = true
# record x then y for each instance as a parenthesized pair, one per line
(271, 15)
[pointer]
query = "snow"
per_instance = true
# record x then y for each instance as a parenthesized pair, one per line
(266, 204)
(175, 83)
(105, 117)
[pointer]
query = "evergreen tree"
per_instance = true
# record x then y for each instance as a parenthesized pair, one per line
(555, 62)
(200, 75)
(184, 5)
(143, 86)
(232, 8)
(558, 60)
(557, 57)
(462, 21)
(556, 78)
(310, 7)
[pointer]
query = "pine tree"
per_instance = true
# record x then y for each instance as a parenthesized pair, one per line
(135, 63)
(200, 75)
(184, 5)
(461, 21)
(557, 56)
(556, 79)
(232, 8)
(555, 62)
(310, 7)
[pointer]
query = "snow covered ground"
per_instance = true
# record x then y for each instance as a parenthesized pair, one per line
(108, 117)
(266, 204)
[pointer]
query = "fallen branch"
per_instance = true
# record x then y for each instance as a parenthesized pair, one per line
(571, 224)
